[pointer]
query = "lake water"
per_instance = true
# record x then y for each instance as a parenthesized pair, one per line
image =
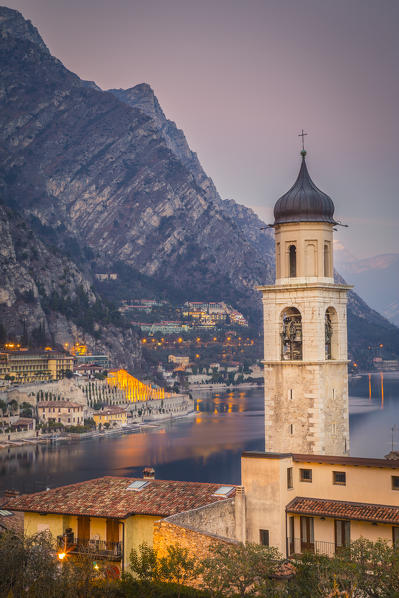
(204, 447)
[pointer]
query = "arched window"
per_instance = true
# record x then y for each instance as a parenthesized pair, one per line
(278, 263)
(331, 337)
(310, 259)
(327, 261)
(291, 334)
(292, 261)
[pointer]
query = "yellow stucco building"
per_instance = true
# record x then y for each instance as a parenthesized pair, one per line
(319, 503)
(109, 516)
(110, 415)
(31, 366)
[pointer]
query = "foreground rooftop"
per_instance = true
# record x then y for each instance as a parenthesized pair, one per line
(111, 497)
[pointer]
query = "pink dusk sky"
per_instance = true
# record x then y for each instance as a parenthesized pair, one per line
(243, 77)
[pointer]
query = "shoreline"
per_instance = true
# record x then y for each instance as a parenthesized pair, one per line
(147, 422)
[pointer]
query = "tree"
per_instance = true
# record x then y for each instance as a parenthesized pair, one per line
(318, 576)
(3, 334)
(26, 409)
(27, 566)
(375, 566)
(177, 566)
(144, 563)
(241, 570)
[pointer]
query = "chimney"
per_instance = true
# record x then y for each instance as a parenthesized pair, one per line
(149, 473)
(240, 514)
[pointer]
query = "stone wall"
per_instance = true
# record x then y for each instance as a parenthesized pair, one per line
(198, 529)
(217, 518)
(306, 400)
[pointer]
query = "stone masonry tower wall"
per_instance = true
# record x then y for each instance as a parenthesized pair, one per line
(305, 330)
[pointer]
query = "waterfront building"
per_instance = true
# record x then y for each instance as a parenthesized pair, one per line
(111, 415)
(61, 412)
(32, 366)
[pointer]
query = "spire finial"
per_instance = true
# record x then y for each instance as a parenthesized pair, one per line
(302, 134)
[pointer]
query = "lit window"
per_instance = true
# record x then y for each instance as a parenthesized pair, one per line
(339, 478)
(305, 475)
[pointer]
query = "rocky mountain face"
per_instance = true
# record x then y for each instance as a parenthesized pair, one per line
(110, 181)
(44, 296)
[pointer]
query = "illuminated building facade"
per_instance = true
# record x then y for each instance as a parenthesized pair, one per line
(134, 389)
(29, 366)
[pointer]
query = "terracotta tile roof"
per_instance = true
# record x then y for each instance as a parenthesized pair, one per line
(109, 497)
(340, 509)
(13, 521)
(331, 460)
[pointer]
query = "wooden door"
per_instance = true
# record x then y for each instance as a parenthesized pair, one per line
(307, 534)
(342, 534)
(83, 530)
(291, 538)
(112, 532)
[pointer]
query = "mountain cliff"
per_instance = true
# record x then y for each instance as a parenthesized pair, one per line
(110, 181)
(44, 297)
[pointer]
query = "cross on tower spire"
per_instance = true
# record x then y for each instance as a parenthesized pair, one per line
(303, 134)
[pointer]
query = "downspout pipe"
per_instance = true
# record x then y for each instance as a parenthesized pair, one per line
(123, 546)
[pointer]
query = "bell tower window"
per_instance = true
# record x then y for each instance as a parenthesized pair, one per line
(292, 256)
(330, 328)
(327, 272)
(291, 335)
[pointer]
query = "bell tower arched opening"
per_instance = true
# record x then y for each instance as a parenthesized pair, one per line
(291, 334)
(292, 258)
(331, 333)
(327, 268)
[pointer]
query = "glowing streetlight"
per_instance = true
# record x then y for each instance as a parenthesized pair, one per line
(61, 555)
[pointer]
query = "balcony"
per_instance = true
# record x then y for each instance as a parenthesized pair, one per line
(99, 549)
(298, 546)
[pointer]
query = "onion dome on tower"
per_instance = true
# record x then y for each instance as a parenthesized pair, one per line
(304, 202)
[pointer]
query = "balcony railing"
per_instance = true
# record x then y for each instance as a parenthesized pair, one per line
(298, 546)
(111, 551)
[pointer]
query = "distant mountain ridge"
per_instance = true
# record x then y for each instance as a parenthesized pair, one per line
(110, 181)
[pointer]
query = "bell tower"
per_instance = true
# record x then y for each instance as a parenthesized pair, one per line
(305, 329)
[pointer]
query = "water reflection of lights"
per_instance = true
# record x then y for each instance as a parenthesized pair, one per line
(205, 438)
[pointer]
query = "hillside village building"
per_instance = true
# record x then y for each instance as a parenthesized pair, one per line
(31, 366)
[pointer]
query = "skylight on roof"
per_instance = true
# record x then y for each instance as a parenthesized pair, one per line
(223, 491)
(138, 485)
(4, 513)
